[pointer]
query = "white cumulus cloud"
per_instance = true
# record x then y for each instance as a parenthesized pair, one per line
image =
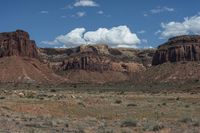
(115, 36)
(73, 38)
(85, 3)
(120, 36)
(190, 25)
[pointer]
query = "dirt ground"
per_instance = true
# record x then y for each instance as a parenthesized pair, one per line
(68, 111)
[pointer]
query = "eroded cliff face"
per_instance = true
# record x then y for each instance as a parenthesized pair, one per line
(17, 43)
(99, 63)
(97, 58)
(182, 48)
(87, 61)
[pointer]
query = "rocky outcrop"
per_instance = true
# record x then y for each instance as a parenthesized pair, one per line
(87, 61)
(96, 63)
(182, 48)
(17, 44)
(95, 54)
(99, 63)
(97, 58)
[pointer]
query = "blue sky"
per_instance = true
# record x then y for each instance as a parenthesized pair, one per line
(145, 23)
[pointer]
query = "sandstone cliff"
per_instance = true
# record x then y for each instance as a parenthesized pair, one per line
(182, 48)
(96, 63)
(99, 63)
(176, 61)
(97, 55)
(19, 61)
(17, 44)
(97, 58)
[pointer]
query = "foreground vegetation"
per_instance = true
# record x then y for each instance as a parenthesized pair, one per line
(120, 108)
